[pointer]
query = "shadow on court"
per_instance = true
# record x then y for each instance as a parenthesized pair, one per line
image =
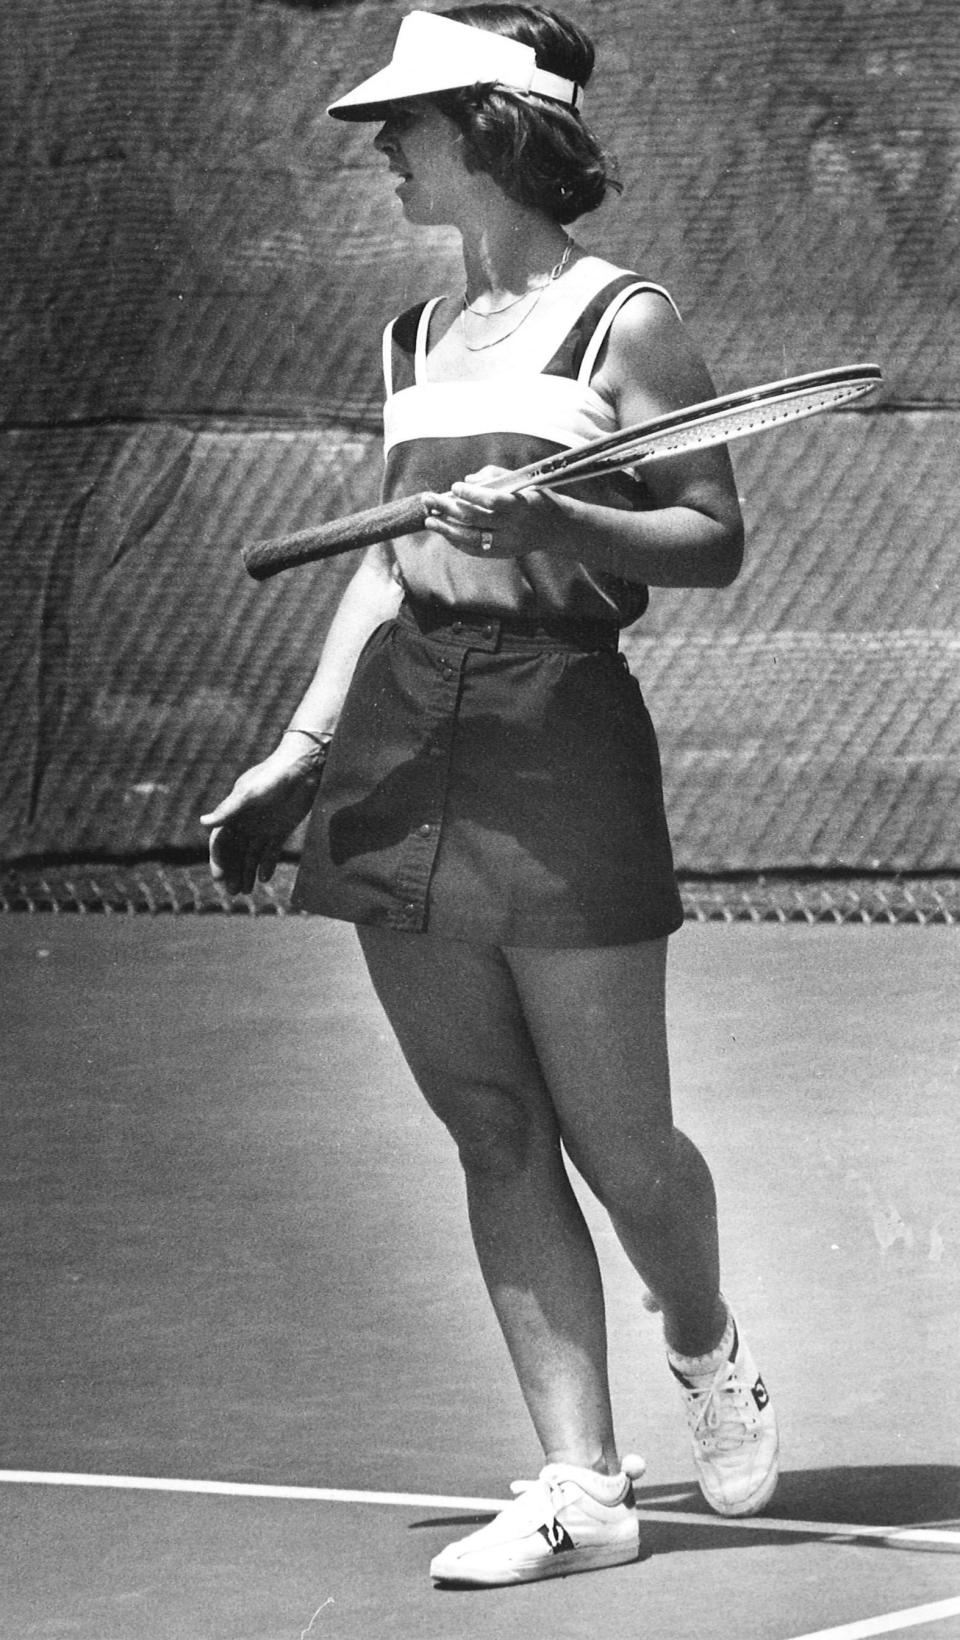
(906, 1495)
(234, 1248)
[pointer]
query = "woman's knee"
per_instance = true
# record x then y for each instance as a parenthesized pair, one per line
(496, 1132)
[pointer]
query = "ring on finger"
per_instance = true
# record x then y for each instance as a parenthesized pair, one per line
(486, 540)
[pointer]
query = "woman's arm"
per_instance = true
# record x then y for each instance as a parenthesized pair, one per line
(693, 534)
(249, 828)
(372, 596)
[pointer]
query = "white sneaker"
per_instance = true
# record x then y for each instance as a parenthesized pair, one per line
(569, 1520)
(733, 1427)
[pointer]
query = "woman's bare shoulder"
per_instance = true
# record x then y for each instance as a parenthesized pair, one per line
(651, 363)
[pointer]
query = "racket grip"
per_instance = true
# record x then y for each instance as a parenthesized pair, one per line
(362, 529)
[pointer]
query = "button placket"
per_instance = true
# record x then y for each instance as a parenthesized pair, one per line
(423, 840)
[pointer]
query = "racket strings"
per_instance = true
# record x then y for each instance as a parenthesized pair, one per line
(716, 427)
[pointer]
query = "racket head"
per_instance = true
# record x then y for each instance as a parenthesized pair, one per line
(715, 421)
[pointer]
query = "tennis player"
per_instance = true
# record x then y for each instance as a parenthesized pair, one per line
(484, 783)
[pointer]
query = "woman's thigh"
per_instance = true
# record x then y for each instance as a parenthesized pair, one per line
(597, 1020)
(456, 1013)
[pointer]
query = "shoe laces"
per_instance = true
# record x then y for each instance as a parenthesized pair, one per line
(719, 1411)
(538, 1501)
(545, 1493)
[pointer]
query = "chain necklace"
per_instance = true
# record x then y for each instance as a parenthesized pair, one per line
(465, 308)
(496, 312)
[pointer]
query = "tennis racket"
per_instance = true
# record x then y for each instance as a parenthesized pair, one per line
(716, 421)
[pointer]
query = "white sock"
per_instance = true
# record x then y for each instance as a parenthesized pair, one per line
(611, 1489)
(697, 1366)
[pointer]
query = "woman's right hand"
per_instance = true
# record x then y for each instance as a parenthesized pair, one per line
(249, 828)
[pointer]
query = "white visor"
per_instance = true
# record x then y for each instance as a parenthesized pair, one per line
(439, 54)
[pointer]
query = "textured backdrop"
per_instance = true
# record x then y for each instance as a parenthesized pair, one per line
(197, 266)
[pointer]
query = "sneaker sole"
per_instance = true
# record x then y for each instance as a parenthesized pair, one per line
(564, 1564)
(751, 1505)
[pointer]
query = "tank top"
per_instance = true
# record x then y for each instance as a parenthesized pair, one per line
(436, 432)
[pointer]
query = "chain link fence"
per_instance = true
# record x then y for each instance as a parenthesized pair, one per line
(184, 888)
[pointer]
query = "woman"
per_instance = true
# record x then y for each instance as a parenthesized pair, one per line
(490, 811)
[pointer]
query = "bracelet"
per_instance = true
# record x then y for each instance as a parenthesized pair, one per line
(320, 741)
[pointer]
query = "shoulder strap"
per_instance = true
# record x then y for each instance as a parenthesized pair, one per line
(405, 347)
(387, 345)
(577, 354)
(616, 296)
(399, 349)
(423, 337)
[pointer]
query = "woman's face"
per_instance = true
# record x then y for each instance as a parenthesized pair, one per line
(424, 150)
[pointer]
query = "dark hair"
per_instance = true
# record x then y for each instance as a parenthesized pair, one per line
(536, 149)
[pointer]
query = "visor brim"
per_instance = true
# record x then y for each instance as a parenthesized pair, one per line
(375, 97)
(435, 54)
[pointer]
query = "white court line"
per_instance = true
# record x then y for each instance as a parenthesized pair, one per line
(864, 1629)
(245, 1489)
(249, 1489)
(894, 1537)
(891, 1623)
(905, 1537)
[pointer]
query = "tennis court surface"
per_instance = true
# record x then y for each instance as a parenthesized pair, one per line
(238, 1279)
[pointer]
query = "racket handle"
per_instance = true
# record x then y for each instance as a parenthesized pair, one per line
(362, 529)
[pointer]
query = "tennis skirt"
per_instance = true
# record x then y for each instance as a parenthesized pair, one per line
(496, 780)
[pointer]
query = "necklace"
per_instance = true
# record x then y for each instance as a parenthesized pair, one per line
(495, 312)
(531, 297)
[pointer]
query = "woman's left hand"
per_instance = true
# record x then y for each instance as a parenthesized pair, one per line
(485, 523)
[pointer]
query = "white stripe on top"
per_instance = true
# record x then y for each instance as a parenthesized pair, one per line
(555, 408)
(563, 410)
